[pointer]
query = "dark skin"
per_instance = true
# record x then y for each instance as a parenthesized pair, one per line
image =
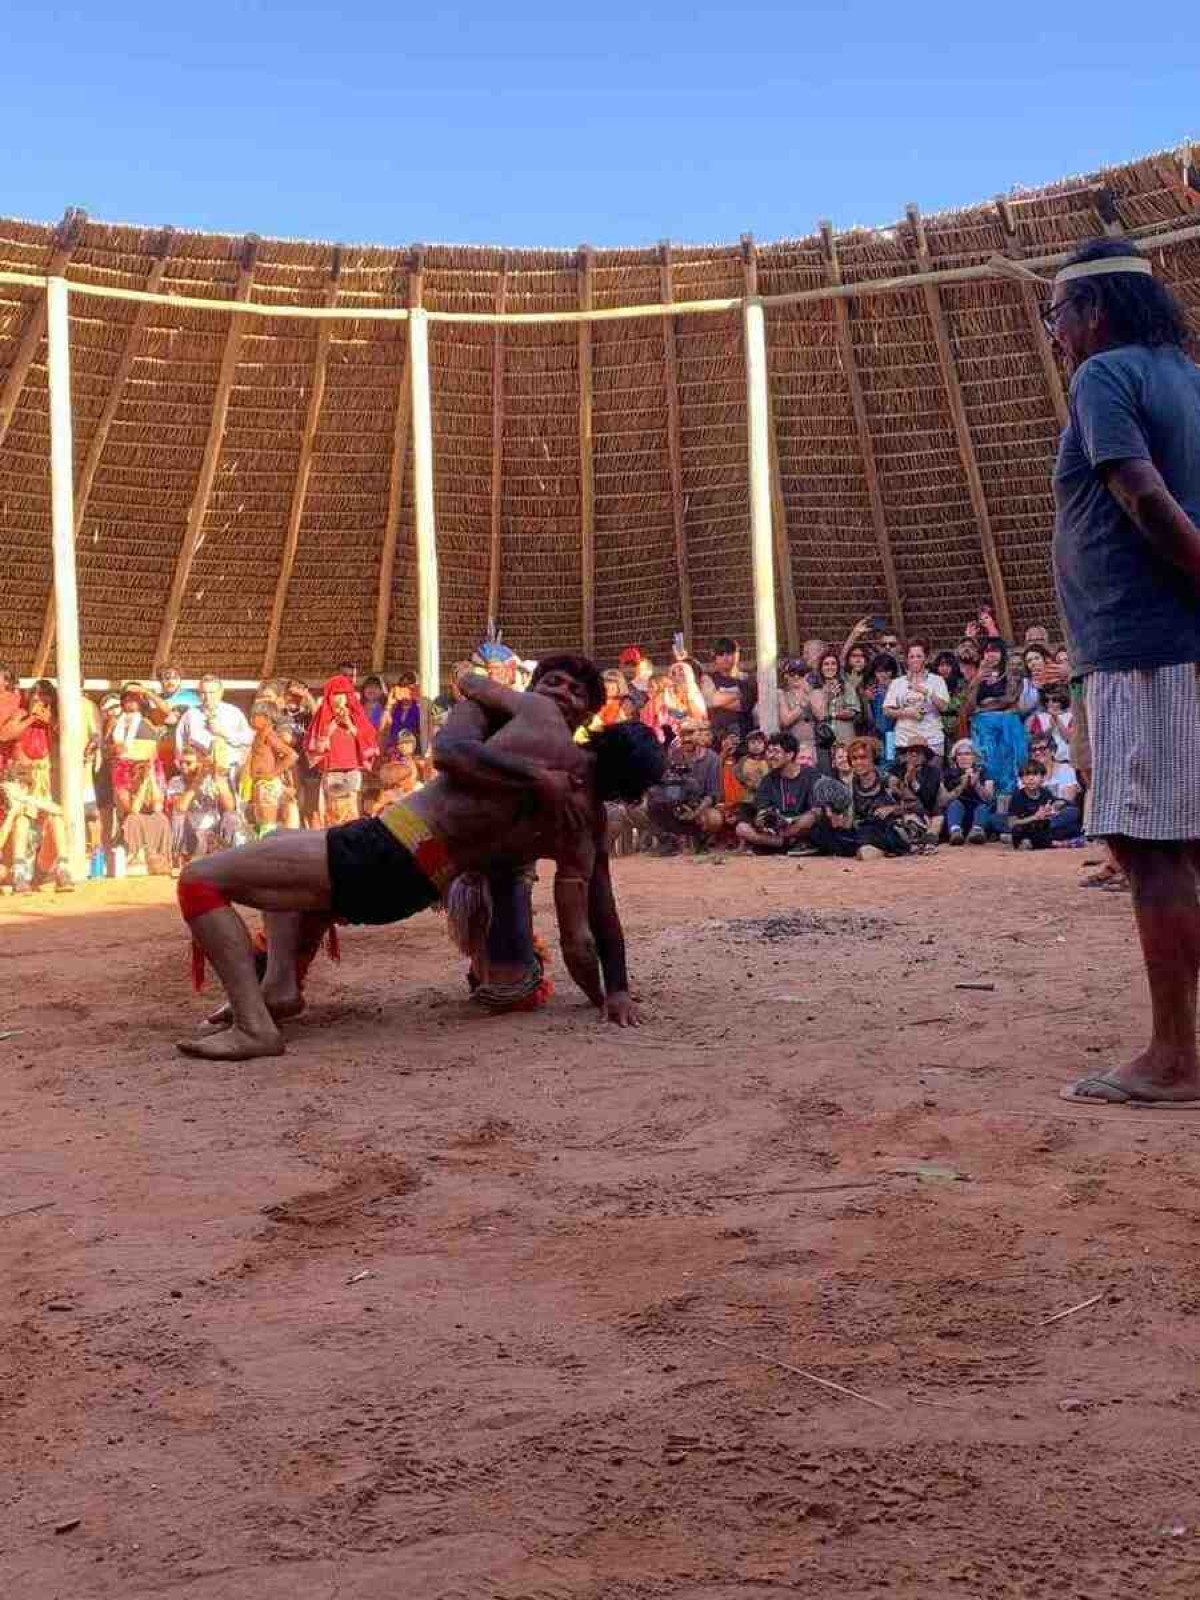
(1162, 875)
(461, 746)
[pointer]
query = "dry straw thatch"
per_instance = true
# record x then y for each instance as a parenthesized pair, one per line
(311, 439)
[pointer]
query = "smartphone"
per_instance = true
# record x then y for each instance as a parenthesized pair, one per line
(878, 624)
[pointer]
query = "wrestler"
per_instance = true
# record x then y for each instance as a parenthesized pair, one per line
(506, 971)
(529, 791)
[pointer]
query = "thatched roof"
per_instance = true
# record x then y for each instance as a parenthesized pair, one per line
(145, 391)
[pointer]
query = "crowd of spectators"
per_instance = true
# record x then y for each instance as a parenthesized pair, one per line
(880, 749)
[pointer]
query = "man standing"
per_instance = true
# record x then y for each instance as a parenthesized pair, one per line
(728, 693)
(215, 728)
(1127, 564)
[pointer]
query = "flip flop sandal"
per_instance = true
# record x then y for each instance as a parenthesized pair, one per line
(1102, 1091)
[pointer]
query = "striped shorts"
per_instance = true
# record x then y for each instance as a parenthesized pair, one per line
(1145, 735)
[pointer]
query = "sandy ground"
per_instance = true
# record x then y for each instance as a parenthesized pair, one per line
(458, 1308)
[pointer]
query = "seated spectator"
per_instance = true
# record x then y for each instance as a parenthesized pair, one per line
(916, 703)
(991, 712)
(272, 758)
(752, 765)
(138, 778)
(971, 795)
(202, 808)
(342, 745)
(917, 786)
(399, 775)
(835, 702)
(685, 806)
(1031, 811)
(1062, 781)
(798, 809)
(879, 825)
(215, 728)
(728, 693)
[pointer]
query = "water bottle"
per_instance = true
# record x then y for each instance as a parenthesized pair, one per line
(118, 861)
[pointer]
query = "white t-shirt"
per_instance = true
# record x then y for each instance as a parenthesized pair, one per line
(931, 698)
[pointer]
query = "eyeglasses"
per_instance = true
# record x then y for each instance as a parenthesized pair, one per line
(1052, 313)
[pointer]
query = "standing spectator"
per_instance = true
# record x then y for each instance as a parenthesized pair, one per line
(946, 665)
(1031, 810)
(272, 758)
(138, 779)
(989, 628)
(916, 703)
(885, 669)
(613, 709)
(835, 702)
(33, 824)
(295, 720)
(375, 699)
(637, 669)
(342, 745)
(728, 693)
(971, 795)
(1054, 718)
(992, 710)
(403, 709)
(216, 729)
(797, 715)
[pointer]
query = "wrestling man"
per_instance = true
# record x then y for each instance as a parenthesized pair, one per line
(527, 792)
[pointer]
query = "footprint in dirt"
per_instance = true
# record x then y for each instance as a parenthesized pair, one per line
(364, 1182)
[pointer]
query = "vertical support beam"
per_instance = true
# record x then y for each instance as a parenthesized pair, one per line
(862, 427)
(1033, 315)
(675, 446)
(962, 431)
(95, 450)
(312, 416)
(783, 548)
(71, 736)
(762, 553)
(587, 473)
(35, 322)
(400, 431)
(211, 457)
(429, 663)
(495, 550)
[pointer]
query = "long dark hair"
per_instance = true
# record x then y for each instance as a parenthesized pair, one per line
(1139, 309)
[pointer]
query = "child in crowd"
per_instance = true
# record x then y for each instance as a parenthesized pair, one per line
(1031, 810)
(271, 759)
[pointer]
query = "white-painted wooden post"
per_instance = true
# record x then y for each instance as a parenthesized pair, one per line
(71, 732)
(428, 648)
(762, 549)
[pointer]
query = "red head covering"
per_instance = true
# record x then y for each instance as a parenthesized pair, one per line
(364, 732)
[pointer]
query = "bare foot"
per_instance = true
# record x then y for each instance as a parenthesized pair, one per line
(233, 1044)
(280, 1006)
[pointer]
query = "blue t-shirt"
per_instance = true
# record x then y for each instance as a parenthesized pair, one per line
(1125, 607)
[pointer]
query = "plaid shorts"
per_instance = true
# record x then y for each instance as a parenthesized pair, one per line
(1145, 736)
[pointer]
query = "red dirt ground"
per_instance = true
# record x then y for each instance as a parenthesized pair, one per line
(449, 1307)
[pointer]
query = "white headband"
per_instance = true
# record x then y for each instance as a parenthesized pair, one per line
(1096, 269)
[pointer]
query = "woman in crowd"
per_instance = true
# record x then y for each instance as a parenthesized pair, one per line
(1062, 781)
(342, 745)
(836, 703)
(797, 714)
(946, 665)
(991, 711)
(138, 779)
(885, 669)
(971, 794)
(34, 837)
(878, 815)
(374, 695)
(916, 702)
(613, 709)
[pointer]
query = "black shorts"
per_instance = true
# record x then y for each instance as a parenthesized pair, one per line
(372, 876)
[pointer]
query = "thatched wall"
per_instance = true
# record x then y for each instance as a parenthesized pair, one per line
(146, 477)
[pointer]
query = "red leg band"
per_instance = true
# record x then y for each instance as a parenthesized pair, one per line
(197, 898)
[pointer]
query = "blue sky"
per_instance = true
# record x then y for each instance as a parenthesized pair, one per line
(538, 124)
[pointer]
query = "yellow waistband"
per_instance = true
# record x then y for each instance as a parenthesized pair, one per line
(418, 838)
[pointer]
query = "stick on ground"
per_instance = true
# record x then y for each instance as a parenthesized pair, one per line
(1071, 1310)
(799, 1372)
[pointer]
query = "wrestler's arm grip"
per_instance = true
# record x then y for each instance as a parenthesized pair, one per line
(575, 935)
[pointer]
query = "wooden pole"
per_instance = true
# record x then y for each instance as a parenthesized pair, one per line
(34, 330)
(495, 548)
(962, 430)
(211, 457)
(312, 416)
(587, 473)
(95, 450)
(1033, 315)
(762, 553)
(71, 733)
(675, 447)
(862, 427)
(400, 432)
(429, 664)
(783, 547)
